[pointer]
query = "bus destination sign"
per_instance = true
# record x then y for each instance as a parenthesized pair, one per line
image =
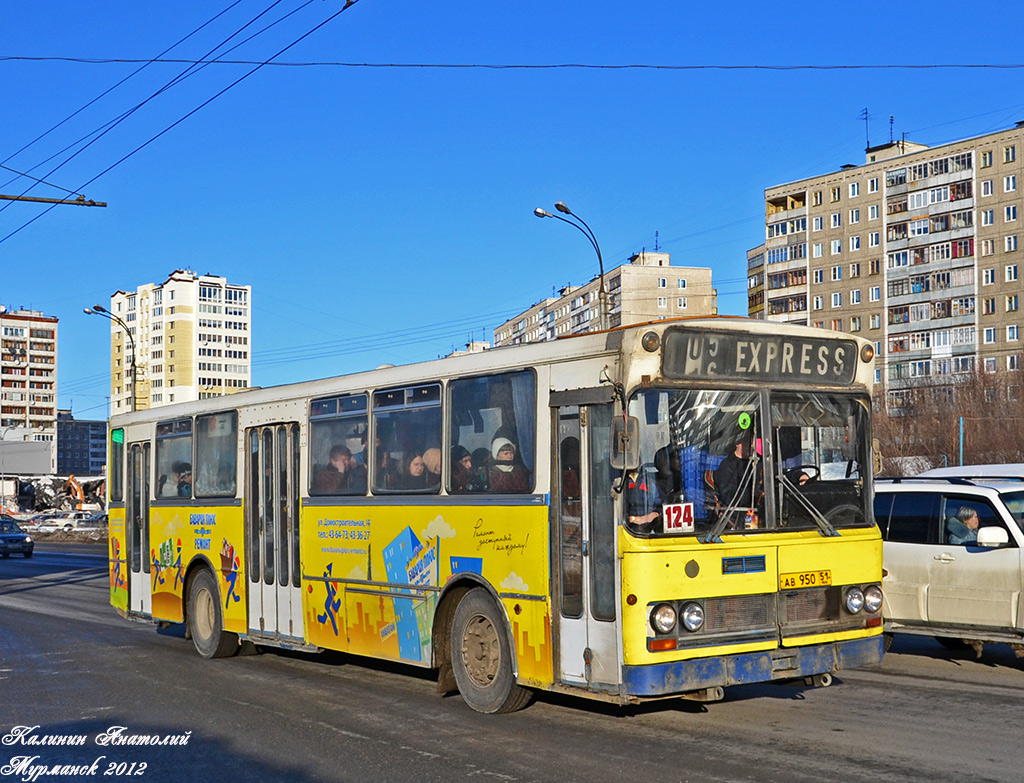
(742, 356)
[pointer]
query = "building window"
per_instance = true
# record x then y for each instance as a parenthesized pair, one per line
(873, 185)
(854, 189)
(989, 335)
(855, 296)
(681, 302)
(988, 276)
(1009, 154)
(1012, 364)
(1010, 183)
(854, 216)
(819, 276)
(817, 198)
(1012, 333)
(873, 239)
(986, 188)
(988, 247)
(855, 323)
(836, 194)
(662, 301)
(836, 220)
(837, 273)
(819, 303)
(988, 217)
(855, 270)
(988, 305)
(837, 299)
(818, 250)
(1011, 273)
(1010, 213)
(876, 321)
(837, 246)
(1012, 303)
(854, 244)
(875, 293)
(990, 367)
(662, 282)
(1010, 243)
(681, 283)
(818, 223)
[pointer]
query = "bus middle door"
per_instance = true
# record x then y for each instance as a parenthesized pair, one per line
(272, 531)
(136, 524)
(582, 504)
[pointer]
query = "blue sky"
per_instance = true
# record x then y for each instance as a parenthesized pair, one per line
(384, 214)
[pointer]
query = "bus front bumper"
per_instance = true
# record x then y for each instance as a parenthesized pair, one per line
(665, 679)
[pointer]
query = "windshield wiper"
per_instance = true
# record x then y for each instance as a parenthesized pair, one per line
(714, 536)
(826, 527)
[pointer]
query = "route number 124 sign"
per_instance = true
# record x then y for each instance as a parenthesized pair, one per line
(678, 517)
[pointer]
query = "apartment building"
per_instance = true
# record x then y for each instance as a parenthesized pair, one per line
(648, 288)
(917, 250)
(28, 388)
(81, 445)
(191, 336)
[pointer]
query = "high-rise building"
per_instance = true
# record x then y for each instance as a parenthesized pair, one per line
(916, 249)
(28, 388)
(81, 445)
(191, 336)
(648, 288)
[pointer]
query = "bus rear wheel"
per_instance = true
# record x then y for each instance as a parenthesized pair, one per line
(482, 657)
(205, 620)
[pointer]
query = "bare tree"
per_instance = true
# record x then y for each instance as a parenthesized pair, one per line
(928, 426)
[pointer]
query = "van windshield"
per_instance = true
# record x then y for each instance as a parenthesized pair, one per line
(1014, 502)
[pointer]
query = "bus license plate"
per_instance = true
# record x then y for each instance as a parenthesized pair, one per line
(805, 579)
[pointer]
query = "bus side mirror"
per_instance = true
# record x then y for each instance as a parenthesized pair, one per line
(625, 443)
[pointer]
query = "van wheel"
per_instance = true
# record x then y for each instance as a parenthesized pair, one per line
(482, 656)
(205, 620)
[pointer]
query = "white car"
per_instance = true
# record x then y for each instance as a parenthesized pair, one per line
(937, 584)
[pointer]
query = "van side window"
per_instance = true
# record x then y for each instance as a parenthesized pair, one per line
(913, 519)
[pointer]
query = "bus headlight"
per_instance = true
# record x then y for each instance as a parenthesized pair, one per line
(693, 616)
(854, 600)
(872, 598)
(663, 618)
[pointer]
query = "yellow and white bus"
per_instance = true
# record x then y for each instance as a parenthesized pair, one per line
(655, 511)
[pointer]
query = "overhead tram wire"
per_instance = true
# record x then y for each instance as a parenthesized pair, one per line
(239, 80)
(531, 66)
(110, 89)
(103, 130)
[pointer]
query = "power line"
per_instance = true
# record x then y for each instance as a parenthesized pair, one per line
(525, 66)
(122, 159)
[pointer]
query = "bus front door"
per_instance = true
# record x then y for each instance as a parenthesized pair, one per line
(136, 518)
(272, 531)
(588, 650)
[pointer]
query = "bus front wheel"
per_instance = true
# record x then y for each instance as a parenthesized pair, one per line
(482, 656)
(205, 620)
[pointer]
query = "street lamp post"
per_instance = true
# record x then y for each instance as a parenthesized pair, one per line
(583, 228)
(100, 310)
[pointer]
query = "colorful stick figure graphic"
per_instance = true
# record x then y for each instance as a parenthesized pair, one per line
(117, 578)
(231, 578)
(158, 576)
(178, 575)
(332, 604)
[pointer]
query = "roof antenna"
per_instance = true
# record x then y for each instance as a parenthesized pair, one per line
(867, 138)
(892, 119)
(656, 246)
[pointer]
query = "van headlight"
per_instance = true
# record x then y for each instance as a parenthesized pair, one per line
(663, 618)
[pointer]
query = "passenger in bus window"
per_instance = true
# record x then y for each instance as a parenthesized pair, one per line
(332, 478)
(462, 469)
(643, 500)
(507, 474)
(414, 471)
(385, 469)
(669, 474)
(181, 477)
(432, 460)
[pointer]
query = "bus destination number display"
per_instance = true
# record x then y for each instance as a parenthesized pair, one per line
(678, 517)
(758, 357)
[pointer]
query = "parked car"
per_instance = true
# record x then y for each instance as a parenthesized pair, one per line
(946, 572)
(14, 540)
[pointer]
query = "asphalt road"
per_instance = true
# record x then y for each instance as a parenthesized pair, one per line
(72, 667)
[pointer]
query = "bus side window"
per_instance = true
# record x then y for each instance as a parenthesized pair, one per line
(216, 473)
(493, 434)
(174, 459)
(407, 439)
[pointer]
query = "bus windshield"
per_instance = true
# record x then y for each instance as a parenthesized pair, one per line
(705, 454)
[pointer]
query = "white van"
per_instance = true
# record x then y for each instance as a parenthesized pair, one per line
(1006, 472)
